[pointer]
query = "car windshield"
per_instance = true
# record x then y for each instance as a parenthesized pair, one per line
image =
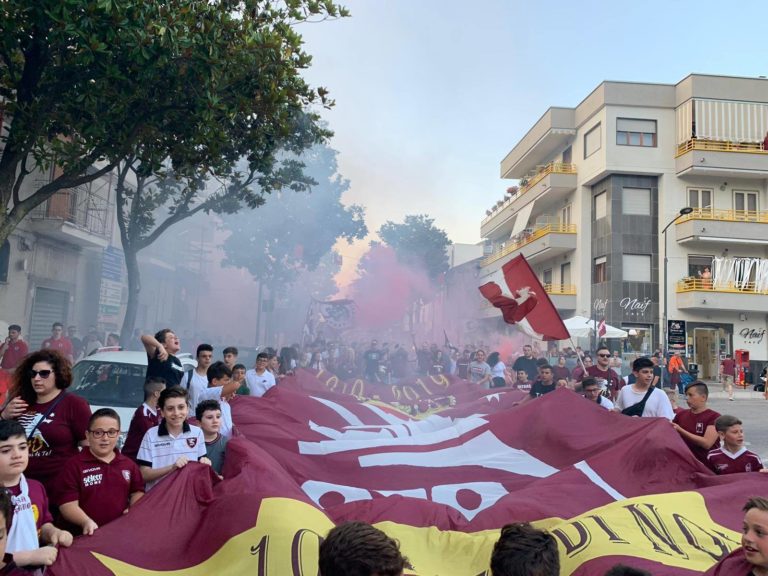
(112, 384)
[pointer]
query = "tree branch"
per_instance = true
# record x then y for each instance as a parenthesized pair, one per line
(23, 173)
(170, 221)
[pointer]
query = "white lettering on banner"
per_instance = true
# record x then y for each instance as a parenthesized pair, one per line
(316, 489)
(433, 430)
(341, 411)
(489, 493)
(634, 304)
(485, 450)
(596, 479)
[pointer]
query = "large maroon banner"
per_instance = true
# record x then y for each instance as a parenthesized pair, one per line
(609, 487)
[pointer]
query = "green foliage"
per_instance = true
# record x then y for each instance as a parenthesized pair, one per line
(418, 243)
(292, 231)
(187, 84)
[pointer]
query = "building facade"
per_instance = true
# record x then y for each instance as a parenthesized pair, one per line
(597, 213)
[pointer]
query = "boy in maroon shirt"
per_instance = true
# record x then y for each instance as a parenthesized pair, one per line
(59, 342)
(145, 417)
(7, 565)
(697, 424)
(732, 457)
(99, 484)
(31, 521)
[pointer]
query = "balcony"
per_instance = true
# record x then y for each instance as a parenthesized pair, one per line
(563, 296)
(707, 225)
(559, 178)
(702, 294)
(721, 158)
(546, 241)
(80, 216)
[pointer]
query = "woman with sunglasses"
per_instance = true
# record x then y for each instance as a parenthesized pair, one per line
(55, 421)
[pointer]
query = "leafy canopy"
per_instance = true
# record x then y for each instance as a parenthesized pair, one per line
(418, 243)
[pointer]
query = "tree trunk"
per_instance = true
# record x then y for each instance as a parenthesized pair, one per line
(134, 289)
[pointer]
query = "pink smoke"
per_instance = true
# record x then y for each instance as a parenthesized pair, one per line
(386, 289)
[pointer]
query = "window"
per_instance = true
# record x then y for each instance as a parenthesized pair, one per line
(546, 278)
(592, 141)
(700, 266)
(567, 155)
(5, 261)
(700, 199)
(600, 270)
(637, 267)
(565, 276)
(636, 201)
(745, 204)
(601, 205)
(565, 216)
(635, 132)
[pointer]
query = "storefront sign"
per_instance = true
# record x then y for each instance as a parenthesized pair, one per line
(676, 336)
(752, 335)
(635, 305)
(599, 305)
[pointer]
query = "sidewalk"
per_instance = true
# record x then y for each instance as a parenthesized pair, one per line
(748, 393)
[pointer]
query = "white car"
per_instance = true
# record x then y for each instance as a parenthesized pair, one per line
(115, 379)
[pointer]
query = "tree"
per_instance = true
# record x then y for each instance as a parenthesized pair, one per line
(87, 84)
(292, 231)
(418, 243)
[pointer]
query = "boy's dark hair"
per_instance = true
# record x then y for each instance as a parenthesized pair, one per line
(203, 348)
(6, 508)
(160, 336)
(622, 570)
(262, 356)
(756, 502)
(11, 429)
(545, 366)
(359, 549)
(238, 367)
(217, 371)
(641, 363)
(523, 550)
(726, 421)
(603, 348)
(15, 327)
(205, 406)
(700, 387)
(541, 362)
(230, 350)
(104, 413)
(589, 381)
(172, 392)
(152, 385)
(57, 325)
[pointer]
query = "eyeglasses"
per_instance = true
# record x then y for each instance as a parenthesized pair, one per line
(111, 433)
(42, 373)
(604, 355)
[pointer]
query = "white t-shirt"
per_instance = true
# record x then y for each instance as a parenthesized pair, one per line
(214, 393)
(606, 403)
(498, 370)
(196, 387)
(258, 384)
(658, 403)
(159, 448)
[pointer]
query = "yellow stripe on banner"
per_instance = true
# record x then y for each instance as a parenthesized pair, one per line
(675, 530)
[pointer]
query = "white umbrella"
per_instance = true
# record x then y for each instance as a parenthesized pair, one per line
(579, 326)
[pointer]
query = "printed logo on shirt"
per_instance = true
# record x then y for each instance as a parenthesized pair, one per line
(127, 475)
(92, 480)
(191, 442)
(699, 427)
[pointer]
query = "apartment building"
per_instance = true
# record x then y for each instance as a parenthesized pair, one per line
(597, 213)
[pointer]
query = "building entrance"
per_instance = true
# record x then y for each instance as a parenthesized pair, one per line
(706, 344)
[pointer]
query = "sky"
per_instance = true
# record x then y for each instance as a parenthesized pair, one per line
(432, 94)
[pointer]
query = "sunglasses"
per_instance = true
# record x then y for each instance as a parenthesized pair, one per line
(112, 433)
(604, 355)
(42, 373)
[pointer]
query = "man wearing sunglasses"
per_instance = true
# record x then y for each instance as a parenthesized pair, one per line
(605, 376)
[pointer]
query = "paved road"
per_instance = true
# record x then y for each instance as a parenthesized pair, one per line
(751, 408)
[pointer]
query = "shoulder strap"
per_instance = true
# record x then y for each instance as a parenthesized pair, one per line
(190, 373)
(47, 413)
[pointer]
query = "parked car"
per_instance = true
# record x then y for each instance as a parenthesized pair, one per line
(115, 379)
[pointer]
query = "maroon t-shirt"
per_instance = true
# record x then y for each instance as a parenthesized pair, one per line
(63, 345)
(729, 366)
(612, 379)
(561, 372)
(726, 463)
(697, 424)
(142, 421)
(56, 438)
(14, 352)
(39, 500)
(524, 386)
(100, 488)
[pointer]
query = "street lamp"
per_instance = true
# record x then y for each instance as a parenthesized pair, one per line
(683, 212)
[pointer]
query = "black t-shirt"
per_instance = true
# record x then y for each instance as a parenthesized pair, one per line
(527, 364)
(538, 389)
(372, 359)
(170, 370)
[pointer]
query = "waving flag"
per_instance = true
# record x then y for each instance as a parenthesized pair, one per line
(517, 292)
(338, 314)
(610, 488)
(601, 329)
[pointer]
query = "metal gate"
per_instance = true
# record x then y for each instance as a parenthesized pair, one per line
(48, 307)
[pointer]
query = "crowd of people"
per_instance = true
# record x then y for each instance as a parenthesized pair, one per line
(62, 460)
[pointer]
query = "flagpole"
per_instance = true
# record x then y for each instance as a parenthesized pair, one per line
(578, 356)
(306, 321)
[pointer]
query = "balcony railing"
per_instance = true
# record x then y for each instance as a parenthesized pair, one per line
(720, 146)
(699, 284)
(541, 173)
(560, 289)
(80, 207)
(535, 234)
(725, 215)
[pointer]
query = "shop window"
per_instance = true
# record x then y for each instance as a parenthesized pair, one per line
(639, 340)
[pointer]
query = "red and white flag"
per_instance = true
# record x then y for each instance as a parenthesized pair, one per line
(517, 292)
(601, 330)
